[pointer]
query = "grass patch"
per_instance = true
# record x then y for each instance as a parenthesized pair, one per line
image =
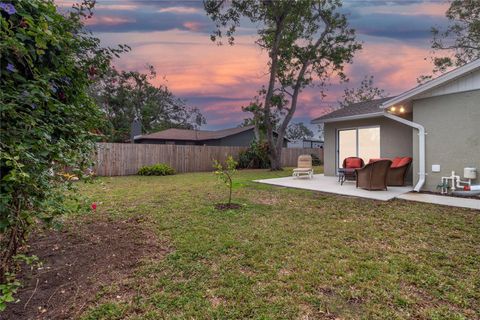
(292, 254)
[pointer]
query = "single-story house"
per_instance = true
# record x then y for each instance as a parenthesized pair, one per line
(240, 136)
(306, 143)
(436, 123)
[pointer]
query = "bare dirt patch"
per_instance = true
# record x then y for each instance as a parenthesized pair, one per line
(227, 206)
(266, 200)
(78, 261)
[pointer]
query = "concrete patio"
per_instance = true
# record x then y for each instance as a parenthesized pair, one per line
(442, 200)
(331, 185)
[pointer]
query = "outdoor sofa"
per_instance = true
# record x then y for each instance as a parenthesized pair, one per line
(398, 170)
(373, 176)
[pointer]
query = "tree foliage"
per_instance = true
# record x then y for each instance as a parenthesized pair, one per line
(298, 131)
(367, 91)
(255, 157)
(48, 120)
(126, 96)
(459, 43)
(307, 43)
(258, 118)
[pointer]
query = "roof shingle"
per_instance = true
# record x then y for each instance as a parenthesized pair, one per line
(355, 109)
(193, 135)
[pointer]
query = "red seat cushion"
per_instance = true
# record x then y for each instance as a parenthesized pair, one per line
(395, 162)
(353, 163)
(402, 162)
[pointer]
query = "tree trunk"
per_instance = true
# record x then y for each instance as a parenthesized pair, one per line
(256, 131)
(11, 242)
(230, 185)
(276, 146)
(273, 152)
(276, 162)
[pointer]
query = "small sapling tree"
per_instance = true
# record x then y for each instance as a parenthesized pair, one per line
(226, 173)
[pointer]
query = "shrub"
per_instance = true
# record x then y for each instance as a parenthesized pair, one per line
(255, 157)
(48, 121)
(316, 161)
(159, 169)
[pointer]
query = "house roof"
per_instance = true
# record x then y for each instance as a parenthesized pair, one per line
(193, 135)
(439, 81)
(354, 111)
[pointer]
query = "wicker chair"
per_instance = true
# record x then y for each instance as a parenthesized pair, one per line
(374, 175)
(347, 172)
(398, 173)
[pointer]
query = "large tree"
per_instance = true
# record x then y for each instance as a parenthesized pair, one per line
(298, 131)
(366, 91)
(128, 95)
(307, 43)
(459, 43)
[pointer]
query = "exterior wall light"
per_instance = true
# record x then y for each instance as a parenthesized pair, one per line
(393, 109)
(402, 109)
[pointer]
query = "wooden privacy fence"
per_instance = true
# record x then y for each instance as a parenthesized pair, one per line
(121, 159)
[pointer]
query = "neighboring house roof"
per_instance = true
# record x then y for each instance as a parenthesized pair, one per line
(193, 135)
(354, 111)
(435, 83)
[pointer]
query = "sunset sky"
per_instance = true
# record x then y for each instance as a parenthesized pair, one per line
(173, 36)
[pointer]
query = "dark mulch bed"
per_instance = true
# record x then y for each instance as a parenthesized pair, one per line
(227, 206)
(78, 261)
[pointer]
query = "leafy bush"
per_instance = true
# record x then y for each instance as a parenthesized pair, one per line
(316, 161)
(255, 157)
(48, 120)
(159, 169)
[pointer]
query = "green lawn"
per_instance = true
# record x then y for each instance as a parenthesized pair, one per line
(290, 254)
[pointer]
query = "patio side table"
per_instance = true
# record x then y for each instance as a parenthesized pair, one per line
(346, 174)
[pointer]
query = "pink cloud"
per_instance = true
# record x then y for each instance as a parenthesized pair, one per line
(116, 6)
(195, 67)
(395, 66)
(180, 10)
(193, 25)
(426, 8)
(108, 20)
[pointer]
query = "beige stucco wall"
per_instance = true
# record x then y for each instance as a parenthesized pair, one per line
(452, 123)
(395, 139)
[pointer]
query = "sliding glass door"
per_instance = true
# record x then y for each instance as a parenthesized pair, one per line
(347, 145)
(358, 142)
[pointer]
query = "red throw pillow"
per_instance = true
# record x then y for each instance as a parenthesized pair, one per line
(395, 162)
(353, 163)
(404, 161)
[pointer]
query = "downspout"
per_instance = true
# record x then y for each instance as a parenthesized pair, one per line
(421, 147)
